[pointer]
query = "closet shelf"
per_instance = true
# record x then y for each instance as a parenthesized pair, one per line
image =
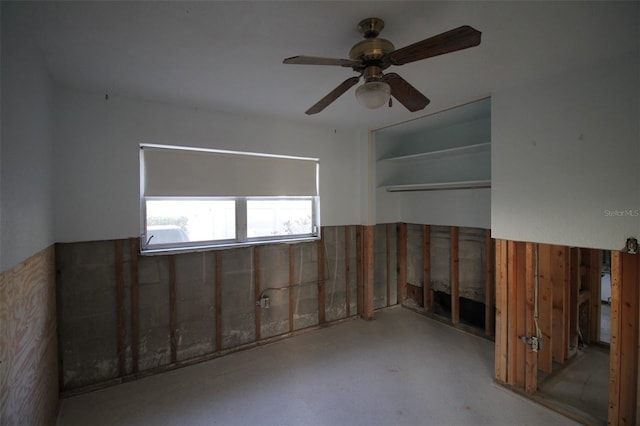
(468, 149)
(469, 184)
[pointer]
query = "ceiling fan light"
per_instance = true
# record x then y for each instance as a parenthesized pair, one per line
(373, 94)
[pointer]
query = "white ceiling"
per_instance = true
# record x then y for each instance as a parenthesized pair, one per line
(228, 55)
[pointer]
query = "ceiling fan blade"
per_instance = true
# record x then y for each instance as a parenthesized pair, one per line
(405, 93)
(450, 41)
(333, 95)
(314, 60)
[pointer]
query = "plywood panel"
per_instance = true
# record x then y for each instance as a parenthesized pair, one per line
(28, 343)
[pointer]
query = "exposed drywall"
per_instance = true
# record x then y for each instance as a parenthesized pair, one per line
(26, 172)
(97, 142)
(565, 157)
(28, 342)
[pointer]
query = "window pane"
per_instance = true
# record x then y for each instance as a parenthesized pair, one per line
(279, 217)
(184, 221)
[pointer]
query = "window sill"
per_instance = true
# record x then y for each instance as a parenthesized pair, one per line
(224, 246)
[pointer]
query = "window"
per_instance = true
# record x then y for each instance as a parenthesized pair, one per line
(195, 199)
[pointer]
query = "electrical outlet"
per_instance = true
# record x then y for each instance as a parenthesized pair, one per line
(264, 302)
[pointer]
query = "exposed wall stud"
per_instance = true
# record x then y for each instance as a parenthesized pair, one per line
(256, 290)
(173, 317)
(368, 267)
(427, 293)
(122, 365)
(218, 300)
(402, 262)
(347, 269)
(455, 274)
(291, 283)
(489, 286)
(135, 326)
(322, 314)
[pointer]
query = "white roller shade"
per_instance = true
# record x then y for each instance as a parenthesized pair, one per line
(197, 173)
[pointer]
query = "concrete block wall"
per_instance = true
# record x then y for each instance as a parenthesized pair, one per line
(441, 259)
(98, 323)
(341, 298)
(471, 260)
(385, 274)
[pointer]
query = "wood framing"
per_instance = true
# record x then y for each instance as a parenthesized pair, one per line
(122, 365)
(512, 302)
(322, 297)
(347, 269)
(135, 324)
(387, 229)
(402, 262)
(368, 272)
(218, 300)
(427, 292)
(256, 290)
(455, 276)
(489, 285)
(520, 312)
(545, 307)
(359, 269)
(625, 327)
(291, 283)
(595, 269)
(173, 315)
(502, 310)
(560, 287)
(531, 357)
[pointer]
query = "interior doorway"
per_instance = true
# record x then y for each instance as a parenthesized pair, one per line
(579, 386)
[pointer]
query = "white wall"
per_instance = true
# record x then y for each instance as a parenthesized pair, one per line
(26, 203)
(566, 154)
(97, 166)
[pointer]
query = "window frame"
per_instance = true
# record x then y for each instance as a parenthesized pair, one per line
(241, 219)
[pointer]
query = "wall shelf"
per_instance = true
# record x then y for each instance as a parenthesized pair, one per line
(440, 186)
(442, 153)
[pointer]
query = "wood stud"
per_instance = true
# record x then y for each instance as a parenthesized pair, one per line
(489, 285)
(322, 316)
(368, 267)
(135, 326)
(531, 358)
(218, 300)
(387, 229)
(455, 275)
(347, 269)
(291, 288)
(173, 315)
(256, 290)
(402, 262)
(122, 366)
(427, 293)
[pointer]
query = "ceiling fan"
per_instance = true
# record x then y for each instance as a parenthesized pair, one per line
(373, 55)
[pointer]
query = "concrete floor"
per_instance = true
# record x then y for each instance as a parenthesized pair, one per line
(400, 369)
(583, 385)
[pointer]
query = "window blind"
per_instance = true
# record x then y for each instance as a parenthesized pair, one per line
(169, 171)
